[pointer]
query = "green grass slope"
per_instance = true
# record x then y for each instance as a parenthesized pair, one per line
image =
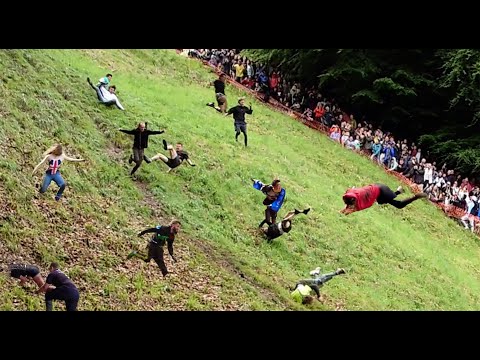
(412, 259)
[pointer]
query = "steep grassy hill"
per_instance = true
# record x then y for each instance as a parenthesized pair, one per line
(409, 259)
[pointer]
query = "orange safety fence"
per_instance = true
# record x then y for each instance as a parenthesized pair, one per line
(449, 210)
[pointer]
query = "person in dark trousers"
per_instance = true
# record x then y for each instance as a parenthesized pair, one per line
(59, 287)
(161, 234)
(239, 112)
(219, 85)
(275, 230)
(26, 272)
(304, 289)
(177, 156)
(357, 199)
(274, 200)
(140, 143)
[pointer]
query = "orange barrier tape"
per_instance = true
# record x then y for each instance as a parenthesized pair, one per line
(449, 210)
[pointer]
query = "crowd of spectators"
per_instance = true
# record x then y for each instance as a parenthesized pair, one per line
(442, 185)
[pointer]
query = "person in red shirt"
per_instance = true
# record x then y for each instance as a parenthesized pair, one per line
(357, 199)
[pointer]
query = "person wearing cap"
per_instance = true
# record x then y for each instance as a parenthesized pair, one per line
(26, 272)
(140, 143)
(220, 96)
(357, 199)
(275, 196)
(239, 112)
(276, 230)
(59, 287)
(471, 211)
(305, 289)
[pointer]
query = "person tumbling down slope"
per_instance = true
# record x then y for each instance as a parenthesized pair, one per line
(106, 97)
(177, 156)
(274, 200)
(276, 230)
(304, 289)
(219, 85)
(357, 199)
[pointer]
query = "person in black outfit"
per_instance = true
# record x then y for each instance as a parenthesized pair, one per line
(26, 272)
(219, 85)
(275, 230)
(239, 112)
(59, 287)
(177, 156)
(161, 235)
(140, 142)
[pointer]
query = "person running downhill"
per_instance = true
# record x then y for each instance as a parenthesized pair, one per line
(275, 230)
(274, 200)
(219, 85)
(161, 234)
(140, 143)
(239, 112)
(177, 156)
(357, 199)
(55, 157)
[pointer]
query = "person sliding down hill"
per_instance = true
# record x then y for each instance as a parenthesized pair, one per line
(55, 157)
(304, 289)
(274, 200)
(357, 199)
(275, 230)
(161, 235)
(140, 143)
(106, 97)
(177, 156)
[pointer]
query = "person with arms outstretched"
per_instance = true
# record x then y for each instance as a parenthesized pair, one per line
(59, 287)
(140, 143)
(275, 196)
(161, 234)
(357, 199)
(219, 86)
(177, 156)
(305, 289)
(55, 157)
(239, 112)
(275, 230)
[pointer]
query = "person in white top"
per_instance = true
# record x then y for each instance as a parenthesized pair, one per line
(106, 97)
(55, 157)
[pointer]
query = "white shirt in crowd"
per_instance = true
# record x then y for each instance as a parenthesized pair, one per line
(428, 175)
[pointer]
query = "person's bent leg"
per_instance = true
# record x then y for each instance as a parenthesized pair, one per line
(161, 157)
(57, 178)
(159, 260)
(71, 302)
(47, 179)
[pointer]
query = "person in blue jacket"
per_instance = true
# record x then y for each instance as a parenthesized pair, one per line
(274, 200)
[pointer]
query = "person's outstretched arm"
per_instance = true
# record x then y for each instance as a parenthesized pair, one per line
(72, 159)
(118, 104)
(155, 132)
(129, 132)
(40, 164)
(190, 162)
(230, 111)
(249, 111)
(151, 230)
